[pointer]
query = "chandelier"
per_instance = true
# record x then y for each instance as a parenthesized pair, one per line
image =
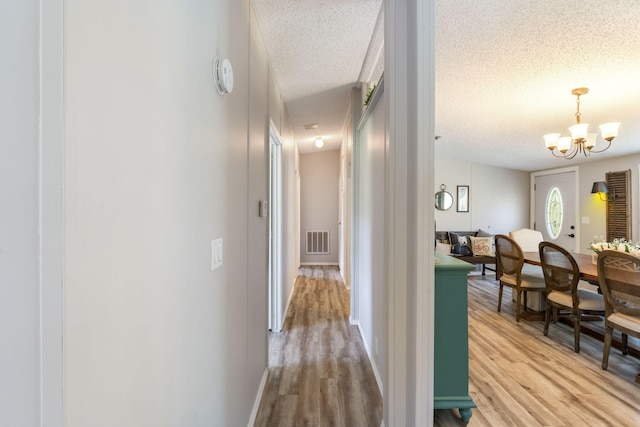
(582, 141)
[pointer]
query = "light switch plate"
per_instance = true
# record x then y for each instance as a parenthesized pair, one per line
(216, 254)
(262, 208)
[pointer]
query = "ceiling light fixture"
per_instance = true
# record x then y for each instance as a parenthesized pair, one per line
(319, 142)
(583, 142)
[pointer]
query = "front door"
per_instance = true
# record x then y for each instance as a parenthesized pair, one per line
(555, 209)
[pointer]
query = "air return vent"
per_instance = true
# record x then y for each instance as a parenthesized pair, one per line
(318, 242)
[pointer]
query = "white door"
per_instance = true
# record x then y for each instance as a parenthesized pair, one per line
(555, 209)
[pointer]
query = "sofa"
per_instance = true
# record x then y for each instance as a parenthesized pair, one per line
(450, 242)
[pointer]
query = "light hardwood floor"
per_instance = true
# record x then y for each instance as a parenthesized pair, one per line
(319, 372)
(320, 375)
(519, 377)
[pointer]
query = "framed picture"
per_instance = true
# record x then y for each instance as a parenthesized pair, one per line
(463, 198)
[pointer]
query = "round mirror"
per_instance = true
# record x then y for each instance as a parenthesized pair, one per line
(444, 199)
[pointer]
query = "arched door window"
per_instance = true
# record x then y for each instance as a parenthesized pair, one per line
(554, 212)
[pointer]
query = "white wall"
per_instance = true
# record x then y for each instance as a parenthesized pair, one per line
(157, 165)
(369, 224)
(19, 220)
(258, 227)
(319, 181)
(498, 197)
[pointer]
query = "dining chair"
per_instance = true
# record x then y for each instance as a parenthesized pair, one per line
(528, 240)
(564, 298)
(619, 277)
(510, 260)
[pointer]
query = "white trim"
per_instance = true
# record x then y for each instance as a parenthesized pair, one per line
(286, 309)
(409, 98)
(425, 286)
(376, 373)
(276, 318)
(256, 403)
(354, 264)
(51, 215)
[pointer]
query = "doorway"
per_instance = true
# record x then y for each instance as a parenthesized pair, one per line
(555, 208)
(275, 231)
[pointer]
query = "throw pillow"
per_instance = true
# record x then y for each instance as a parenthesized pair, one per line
(458, 239)
(482, 246)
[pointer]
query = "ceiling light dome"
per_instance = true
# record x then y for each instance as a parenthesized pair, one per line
(319, 142)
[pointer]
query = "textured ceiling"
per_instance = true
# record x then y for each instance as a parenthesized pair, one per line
(504, 71)
(317, 48)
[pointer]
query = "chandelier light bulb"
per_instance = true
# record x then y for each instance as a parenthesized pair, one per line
(551, 140)
(579, 131)
(609, 130)
(590, 142)
(564, 143)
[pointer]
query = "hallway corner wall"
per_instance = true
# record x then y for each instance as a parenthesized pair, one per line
(157, 166)
(319, 193)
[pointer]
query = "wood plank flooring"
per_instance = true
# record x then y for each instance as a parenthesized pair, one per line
(319, 372)
(519, 377)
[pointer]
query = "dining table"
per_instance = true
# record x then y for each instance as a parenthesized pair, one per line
(588, 270)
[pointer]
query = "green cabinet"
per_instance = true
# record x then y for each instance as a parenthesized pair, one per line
(451, 344)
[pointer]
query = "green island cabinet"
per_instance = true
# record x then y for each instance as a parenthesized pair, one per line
(451, 344)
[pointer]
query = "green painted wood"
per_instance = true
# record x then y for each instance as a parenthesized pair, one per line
(451, 346)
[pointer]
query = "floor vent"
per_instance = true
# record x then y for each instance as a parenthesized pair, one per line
(318, 242)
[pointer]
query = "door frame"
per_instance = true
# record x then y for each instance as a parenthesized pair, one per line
(576, 195)
(409, 99)
(275, 230)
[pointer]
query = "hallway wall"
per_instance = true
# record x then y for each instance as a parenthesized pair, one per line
(157, 165)
(19, 219)
(369, 224)
(319, 193)
(498, 197)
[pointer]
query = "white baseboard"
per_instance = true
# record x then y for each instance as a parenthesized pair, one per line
(319, 263)
(256, 404)
(286, 308)
(371, 360)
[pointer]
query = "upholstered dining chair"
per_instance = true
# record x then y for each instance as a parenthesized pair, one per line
(619, 277)
(528, 240)
(510, 260)
(564, 298)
